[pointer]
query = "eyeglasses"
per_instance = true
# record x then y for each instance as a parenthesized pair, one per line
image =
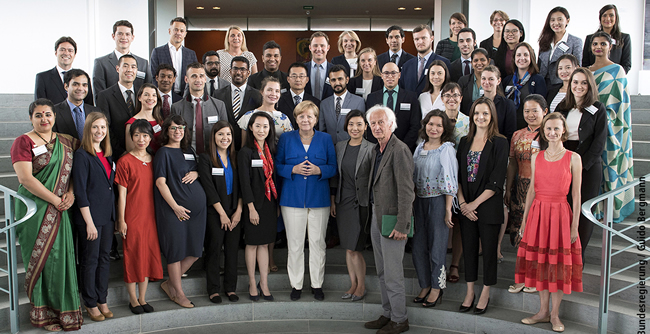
(450, 96)
(239, 69)
(294, 77)
(174, 128)
(390, 74)
(498, 20)
(511, 32)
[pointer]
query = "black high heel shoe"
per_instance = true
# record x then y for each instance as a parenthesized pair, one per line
(259, 289)
(251, 297)
(482, 310)
(464, 309)
(428, 304)
(419, 300)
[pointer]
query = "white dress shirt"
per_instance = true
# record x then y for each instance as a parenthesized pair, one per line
(177, 62)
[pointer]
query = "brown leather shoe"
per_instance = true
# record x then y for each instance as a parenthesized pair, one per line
(394, 328)
(377, 324)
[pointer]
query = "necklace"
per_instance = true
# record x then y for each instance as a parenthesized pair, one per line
(553, 156)
(48, 144)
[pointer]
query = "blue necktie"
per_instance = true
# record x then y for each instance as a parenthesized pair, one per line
(79, 120)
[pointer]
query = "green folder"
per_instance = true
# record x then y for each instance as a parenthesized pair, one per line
(388, 223)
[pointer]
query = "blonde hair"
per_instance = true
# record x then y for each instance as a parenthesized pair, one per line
(375, 69)
(354, 37)
(87, 138)
(226, 44)
(303, 107)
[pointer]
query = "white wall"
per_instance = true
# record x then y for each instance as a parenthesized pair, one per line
(39, 23)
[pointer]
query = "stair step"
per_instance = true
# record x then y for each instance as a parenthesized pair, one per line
(15, 128)
(9, 180)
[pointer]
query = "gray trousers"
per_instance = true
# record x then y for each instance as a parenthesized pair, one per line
(389, 255)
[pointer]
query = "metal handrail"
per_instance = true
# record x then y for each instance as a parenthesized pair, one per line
(608, 234)
(10, 232)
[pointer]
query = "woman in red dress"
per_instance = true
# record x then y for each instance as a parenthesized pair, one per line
(136, 217)
(549, 255)
(147, 106)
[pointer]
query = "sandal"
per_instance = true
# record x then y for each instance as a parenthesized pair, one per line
(53, 328)
(164, 286)
(530, 289)
(515, 289)
(453, 278)
(273, 268)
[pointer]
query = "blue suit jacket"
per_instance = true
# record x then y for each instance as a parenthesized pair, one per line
(327, 121)
(92, 188)
(327, 89)
(305, 191)
(161, 55)
(409, 79)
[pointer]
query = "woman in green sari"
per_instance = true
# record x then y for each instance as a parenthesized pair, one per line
(42, 160)
(617, 156)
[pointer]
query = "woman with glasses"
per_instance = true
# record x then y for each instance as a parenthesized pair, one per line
(513, 34)
(497, 21)
(554, 41)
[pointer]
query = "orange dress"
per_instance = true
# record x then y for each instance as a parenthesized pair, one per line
(546, 258)
(141, 247)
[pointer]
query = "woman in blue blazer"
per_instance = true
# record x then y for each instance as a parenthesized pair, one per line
(305, 161)
(93, 174)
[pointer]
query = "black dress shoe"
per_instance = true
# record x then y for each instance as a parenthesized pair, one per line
(251, 297)
(464, 309)
(216, 299)
(428, 304)
(147, 308)
(259, 290)
(233, 297)
(419, 300)
(136, 310)
(318, 293)
(481, 310)
(295, 294)
(114, 255)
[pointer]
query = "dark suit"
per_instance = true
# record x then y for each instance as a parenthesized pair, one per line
(215, 236)
(255, 80)
(383, 58)
(506, 116)
(341, 60)
(50, 86)
(161, 55)
(209, 107)
(491, 176)
(327, 120)
(94, 190)
(407, 118)
(64, 122)
(105, 74)
(357, 83)
(252, 100)
(327, 90)
(619, 55)
(409, 78)
(286, 105)
(111, 102)
(251, 180)
(456, 69)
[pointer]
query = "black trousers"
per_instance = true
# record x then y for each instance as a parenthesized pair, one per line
(215, 238)
(471, 232)
(590, 187)
(94, 264)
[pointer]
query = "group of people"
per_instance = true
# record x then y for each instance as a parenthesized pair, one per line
(185, 159)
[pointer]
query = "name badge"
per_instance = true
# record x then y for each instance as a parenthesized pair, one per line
(613, 41)
(481, 92)
(189, 157)
(426, 70)
(563, 47)
(327, 81)
(157, 128)
(360, 91)
(534, 144)
(113, 165)
(39, 150)
(345, 111)
(424, 153)
(213, 119)
(257, 163)
(354, 66)
(283, 90)
(592, 109)
(140, 75)
(404, 106)
(217, 171)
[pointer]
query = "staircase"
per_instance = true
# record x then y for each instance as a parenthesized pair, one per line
(579, 310)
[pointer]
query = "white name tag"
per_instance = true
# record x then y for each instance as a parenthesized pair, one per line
(563, 47)
(354, 66)
(189, 156)
(327, 81)
(213, 119)
(157, 128)
(423, 152)
(345, 111)
(140, 75)
(113, 166)
(481, 92)
(592, 109)
(426, 70)
(257, 163)
(404, 106)
(534, 144)
(217, 171)
(360, 91)
(39, 150)
(613, 41)
(283, 90)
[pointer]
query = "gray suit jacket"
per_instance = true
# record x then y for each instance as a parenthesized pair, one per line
(327, 121)
(362, 171)
(217, 80)
(105, 75)
(210, 107)
(392, 188)
(548, 67)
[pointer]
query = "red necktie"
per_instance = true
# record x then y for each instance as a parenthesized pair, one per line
(165, 108)
(199, 127)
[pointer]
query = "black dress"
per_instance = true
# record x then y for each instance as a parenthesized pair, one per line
(179, 239)
(351, 217)
(253, 191)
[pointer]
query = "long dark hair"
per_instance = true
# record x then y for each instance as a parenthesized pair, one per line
(546, 37)
(503, 47)
(493, 127)
(616, 29)
(429, 87)
(213, 145)
(591, 96)
(164, 136)
(447, 125)
(157, 115)
(270, 138)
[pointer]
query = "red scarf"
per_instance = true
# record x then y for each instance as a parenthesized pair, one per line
(268, 171)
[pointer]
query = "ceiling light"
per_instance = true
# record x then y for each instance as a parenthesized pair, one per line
(216, 7)
(200, 8)
(401, 8)
(417, 8)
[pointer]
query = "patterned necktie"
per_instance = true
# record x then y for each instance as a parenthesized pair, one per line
(421, 68)
(296, 100)
(211, 87)
(79, 120)
(393, 58)
(466, 71)
(236, 103)
(389, 101)
(317, 84)
(129, 102)
(338, 107)
(198, 120)
(165, 108)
